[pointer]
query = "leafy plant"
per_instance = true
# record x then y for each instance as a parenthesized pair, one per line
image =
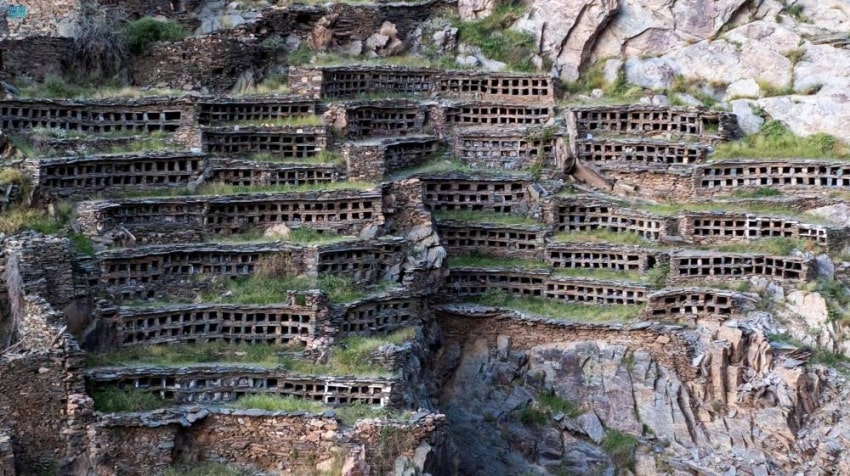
(140, 34)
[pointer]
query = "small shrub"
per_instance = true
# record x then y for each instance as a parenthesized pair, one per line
(98, 46)
(621, 447)
(657, 276)
(140, 34)
(82, 244)
(556, 405)
(497, 41)
(532, 416)
(300, 56)
(776, 140)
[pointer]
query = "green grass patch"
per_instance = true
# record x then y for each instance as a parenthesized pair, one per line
(756, 208)
(621, 447)
(474, 260)
(273, 403)
(777, 141)
(599, 274)
(153, 142)
(182, 354)
(219, 189)
(476, 216)
(141, 33)
(604, 236)
(530, 415)
(23, 146)
(206, 468)
(761, 192)
(264, 289)
(351, 356)
(297, 236)
(114, 400)
(497, 40)
(556, 310)
(17, 219)
(82, 243)
(323, 157)
(297, 121)
(556, 405)
(780, 246)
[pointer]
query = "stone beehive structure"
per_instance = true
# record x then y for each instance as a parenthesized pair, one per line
(426, 210)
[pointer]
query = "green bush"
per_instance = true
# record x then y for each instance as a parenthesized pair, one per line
(621, 447)
(139, 34)
(776, 140)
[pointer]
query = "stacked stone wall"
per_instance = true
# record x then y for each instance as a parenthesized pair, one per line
(503, 195)
(44, 18)
(725, 177)
(511, 149)
(221, 111)
(630, 153)
(192, 218)
(582, 214)
(718, 227)
(36, 57)
(222, 384)
(372, 160)
(511, 241)
(601, 256)
(189, 63)
(286, 142)
(688, 266)
(697, 303)
(380, 315)
(655, 120)
(530, 283)
(349, 82)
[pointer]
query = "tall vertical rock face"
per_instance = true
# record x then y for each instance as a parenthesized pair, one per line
(567, 31)
(737, 405)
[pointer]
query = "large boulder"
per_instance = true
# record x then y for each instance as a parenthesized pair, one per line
(827, 111)
(470, 10)
(567, 30)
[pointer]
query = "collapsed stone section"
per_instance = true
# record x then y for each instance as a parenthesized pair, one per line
(221, 111)
(697, 303)
(600, 256)
(36, 57)
(530, 283)
(512, 148)
(348, 82)
(651, 120)
(706, 265)
(286, 142)
(143, 444)
(191, 218)
(512, 241)
(631, 152)
(190, 62)
(503, 195)
(582, 214)
(221, 384)
(371, 160)
(722, 178)
(730, 227)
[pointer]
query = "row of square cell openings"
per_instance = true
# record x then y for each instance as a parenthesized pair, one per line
(693, 309)
(568, 256)
(733, 261)
(153, 338)
(475, 187)
(11, 113)
(94, 128)
(791, 181)
(136, 166)
(460, 234)
(665, 116)
(194, 317)
(244, 382)
(263, 332)
(292, 206)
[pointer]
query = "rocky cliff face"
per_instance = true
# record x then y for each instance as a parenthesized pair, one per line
(790, 60)
(563, 406)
